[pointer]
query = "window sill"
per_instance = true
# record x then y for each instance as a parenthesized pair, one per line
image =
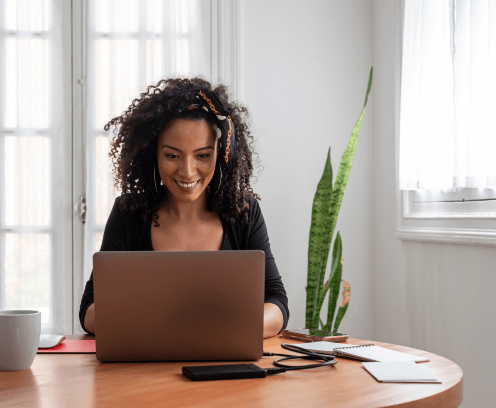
(448, 236)
(445, 224)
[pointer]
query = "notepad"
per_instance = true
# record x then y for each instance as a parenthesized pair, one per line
(365, 352)
(403, 371)
(324, 347)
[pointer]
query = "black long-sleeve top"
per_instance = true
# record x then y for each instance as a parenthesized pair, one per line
(129, 232)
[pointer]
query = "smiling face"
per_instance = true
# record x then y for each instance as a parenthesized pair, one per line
(186, 153)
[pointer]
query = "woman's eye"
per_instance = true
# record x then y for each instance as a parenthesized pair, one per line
(204, 156)
(169, 155)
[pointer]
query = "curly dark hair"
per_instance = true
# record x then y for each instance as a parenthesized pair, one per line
(134, 148)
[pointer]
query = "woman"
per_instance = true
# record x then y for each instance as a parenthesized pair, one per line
(182, 161)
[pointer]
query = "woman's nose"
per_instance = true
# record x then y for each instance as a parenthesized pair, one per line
(188, 167)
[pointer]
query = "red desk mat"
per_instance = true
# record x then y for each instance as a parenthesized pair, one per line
(72, 346)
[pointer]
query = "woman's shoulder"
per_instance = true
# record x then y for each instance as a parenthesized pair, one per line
(245, 213)
(121, 210)
(252, 203)
(252, 208)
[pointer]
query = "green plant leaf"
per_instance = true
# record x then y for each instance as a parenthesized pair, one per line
(335, 280)
(320, 300)
(334, 265)
(344, 304)
(320, 211)
(345, 167)
(339, 317)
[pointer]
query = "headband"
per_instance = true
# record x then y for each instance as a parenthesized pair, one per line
(209, 101)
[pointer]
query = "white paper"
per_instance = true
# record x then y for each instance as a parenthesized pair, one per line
(405, 371)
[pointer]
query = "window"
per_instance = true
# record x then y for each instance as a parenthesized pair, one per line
(66, 69)
(35, 164)
(447, 171)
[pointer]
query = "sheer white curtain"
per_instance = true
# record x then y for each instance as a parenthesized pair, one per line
(35, 154)
(447, 95)
(132, 44)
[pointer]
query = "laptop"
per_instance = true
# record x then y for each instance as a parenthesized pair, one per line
(179, 305)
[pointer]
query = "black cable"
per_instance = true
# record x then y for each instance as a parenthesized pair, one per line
(310, 355)
(237, 371)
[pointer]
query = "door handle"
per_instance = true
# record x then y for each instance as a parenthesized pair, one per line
(80, 208)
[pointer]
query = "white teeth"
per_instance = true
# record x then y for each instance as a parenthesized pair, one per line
(187, 185)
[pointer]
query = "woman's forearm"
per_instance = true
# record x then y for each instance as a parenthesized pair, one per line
(89, 319)
(273, 320)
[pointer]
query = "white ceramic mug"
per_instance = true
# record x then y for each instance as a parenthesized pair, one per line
(19, 338)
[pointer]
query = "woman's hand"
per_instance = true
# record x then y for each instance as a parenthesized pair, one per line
(89, 319)
(273, 320)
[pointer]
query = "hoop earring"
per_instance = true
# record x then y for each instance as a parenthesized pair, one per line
(155, 180)
(220, 180)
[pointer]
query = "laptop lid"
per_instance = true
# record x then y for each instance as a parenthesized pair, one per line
(179, 305)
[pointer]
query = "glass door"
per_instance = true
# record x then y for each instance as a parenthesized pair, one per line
(35, 160)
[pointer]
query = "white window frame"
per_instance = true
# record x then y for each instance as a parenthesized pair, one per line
(459, 216)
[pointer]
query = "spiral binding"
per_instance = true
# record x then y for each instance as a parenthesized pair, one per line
(345, 348)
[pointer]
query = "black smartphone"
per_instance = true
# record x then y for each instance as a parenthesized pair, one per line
(314, 335)
(223, 372)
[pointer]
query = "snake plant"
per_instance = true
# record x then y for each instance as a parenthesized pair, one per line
(325, 210)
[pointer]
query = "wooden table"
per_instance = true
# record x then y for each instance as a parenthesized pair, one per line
(80, 380)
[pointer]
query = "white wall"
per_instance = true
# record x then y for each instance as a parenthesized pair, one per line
(304, 74)
(305, 68)
(434, 297)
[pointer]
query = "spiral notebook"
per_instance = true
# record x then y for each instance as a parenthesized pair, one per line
(364, 352)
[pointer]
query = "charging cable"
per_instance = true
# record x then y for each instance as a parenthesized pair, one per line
(235, 371)
(310, 355)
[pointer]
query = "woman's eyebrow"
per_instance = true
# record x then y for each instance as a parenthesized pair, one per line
(175, 148)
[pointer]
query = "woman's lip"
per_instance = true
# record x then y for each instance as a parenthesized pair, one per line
(187, 188)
